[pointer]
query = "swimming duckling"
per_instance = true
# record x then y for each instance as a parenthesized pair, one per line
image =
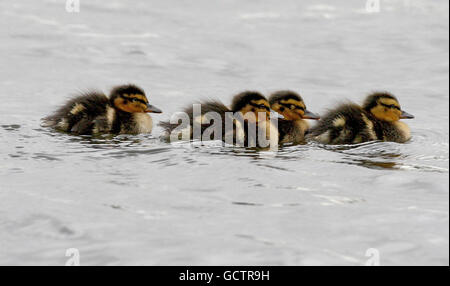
(124, 112)
(249, 104)
(377, 119)
(290, 105)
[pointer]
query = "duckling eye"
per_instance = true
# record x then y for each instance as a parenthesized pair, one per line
(393, 106)
(282, 108)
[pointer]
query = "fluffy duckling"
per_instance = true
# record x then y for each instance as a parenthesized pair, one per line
(245, 102)
(292, 127)
(124, 112)
(377, 119)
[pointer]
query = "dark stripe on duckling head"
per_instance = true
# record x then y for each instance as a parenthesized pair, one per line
(292, 105)
(127, 89)
(383, 106)
(284, 95)
(390, 106)
(245, 98)
(129, 98)
(135, 98)
(262, 106)
(372, 100)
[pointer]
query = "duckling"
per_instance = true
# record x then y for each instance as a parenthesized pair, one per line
(292, 127)
(377, 119)
(247, 103)
(124, 112)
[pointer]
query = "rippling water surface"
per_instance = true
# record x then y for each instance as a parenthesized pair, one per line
(129, 200)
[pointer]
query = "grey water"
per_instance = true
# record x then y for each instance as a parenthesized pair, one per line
(135, 200)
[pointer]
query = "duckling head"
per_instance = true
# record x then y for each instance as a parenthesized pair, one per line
(290, 105)
(384, 106)
(132, 99)
(251, 101)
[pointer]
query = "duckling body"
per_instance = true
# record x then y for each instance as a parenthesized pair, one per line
(377, 119)
(245, 103)
(124, 112)
(293, 126)
(292, 131)
(208, 106)
(346, 124)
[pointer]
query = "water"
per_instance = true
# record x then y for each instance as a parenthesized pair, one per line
(131, 200)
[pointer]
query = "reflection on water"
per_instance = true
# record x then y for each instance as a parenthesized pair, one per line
(11, 127)
(374, 155)
(374, 164)
(377, 155)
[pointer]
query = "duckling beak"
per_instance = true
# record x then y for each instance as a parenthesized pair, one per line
(406, 115)
(310, 115)
(153, 109)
